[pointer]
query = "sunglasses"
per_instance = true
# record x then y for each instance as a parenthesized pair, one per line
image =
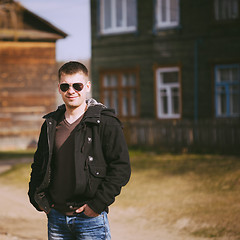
(77, 86)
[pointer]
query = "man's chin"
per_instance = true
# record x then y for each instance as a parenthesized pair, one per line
(73, 106)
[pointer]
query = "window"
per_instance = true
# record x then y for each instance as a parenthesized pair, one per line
(120, 91)
(167, 13)
(227, 90)
(168, 92)
(118, 16)
(226, 9)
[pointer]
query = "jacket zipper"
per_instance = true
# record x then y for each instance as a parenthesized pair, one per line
(50, 152)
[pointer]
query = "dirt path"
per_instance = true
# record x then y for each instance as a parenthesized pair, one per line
(20, 221)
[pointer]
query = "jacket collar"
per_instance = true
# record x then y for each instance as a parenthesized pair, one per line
(92, 115)
(56, 114)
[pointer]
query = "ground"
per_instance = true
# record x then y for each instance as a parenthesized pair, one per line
(20, 221)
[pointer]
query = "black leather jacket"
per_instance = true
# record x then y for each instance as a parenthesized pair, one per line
(101, 159)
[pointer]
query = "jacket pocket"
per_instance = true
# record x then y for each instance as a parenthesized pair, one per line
(98, 172)
(42, 201)
(95, 177)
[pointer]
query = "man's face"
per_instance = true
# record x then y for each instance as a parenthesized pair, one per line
(72, 97)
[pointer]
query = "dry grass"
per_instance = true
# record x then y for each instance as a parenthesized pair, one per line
(18, 175)
(196, 194)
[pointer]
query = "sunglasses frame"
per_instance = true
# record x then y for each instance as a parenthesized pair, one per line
(73, 85)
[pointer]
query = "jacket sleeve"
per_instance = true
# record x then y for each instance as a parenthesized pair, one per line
(116, 155)
(37, 166)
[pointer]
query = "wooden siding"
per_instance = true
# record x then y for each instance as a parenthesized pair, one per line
(28, 83)
(28, 74)
(27, 53)
(197, 44)
(185, 136)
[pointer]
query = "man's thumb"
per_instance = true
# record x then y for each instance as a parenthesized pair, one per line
(81, 209)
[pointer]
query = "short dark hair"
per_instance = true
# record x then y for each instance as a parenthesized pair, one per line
(72, 67)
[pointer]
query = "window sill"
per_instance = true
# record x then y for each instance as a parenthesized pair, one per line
(115, 32)
(169, 117)
(166, 27)
(173, 29)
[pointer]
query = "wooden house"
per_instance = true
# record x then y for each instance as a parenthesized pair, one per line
(28, 74)
(168, 63)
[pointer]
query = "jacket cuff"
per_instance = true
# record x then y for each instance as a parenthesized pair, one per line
(97, 206)
(36, 205)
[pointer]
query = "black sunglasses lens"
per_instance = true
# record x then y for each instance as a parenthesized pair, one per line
(78, 86)
(64, 87)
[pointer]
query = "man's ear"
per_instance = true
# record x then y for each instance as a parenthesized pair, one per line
(88, 86)
(59, 90)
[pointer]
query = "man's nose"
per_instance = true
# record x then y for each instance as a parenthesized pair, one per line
(71, 89)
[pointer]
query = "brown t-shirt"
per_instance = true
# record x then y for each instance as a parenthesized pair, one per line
(63, 169)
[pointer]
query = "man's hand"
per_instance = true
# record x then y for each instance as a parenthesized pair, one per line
(87, 211)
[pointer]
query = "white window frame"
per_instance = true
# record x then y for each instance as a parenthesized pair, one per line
(226, 9)
(168, 22)
(114, 28)
(167, 86)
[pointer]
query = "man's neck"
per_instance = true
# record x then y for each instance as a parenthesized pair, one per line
(72, 114)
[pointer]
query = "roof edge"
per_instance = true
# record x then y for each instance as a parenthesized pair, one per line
(59, 31)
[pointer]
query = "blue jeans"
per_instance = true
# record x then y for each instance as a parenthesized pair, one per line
(77, 227)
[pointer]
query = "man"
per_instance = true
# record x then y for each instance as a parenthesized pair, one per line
(81, 161)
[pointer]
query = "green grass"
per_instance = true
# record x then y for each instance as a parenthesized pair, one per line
(196, 194)
(16, 154)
